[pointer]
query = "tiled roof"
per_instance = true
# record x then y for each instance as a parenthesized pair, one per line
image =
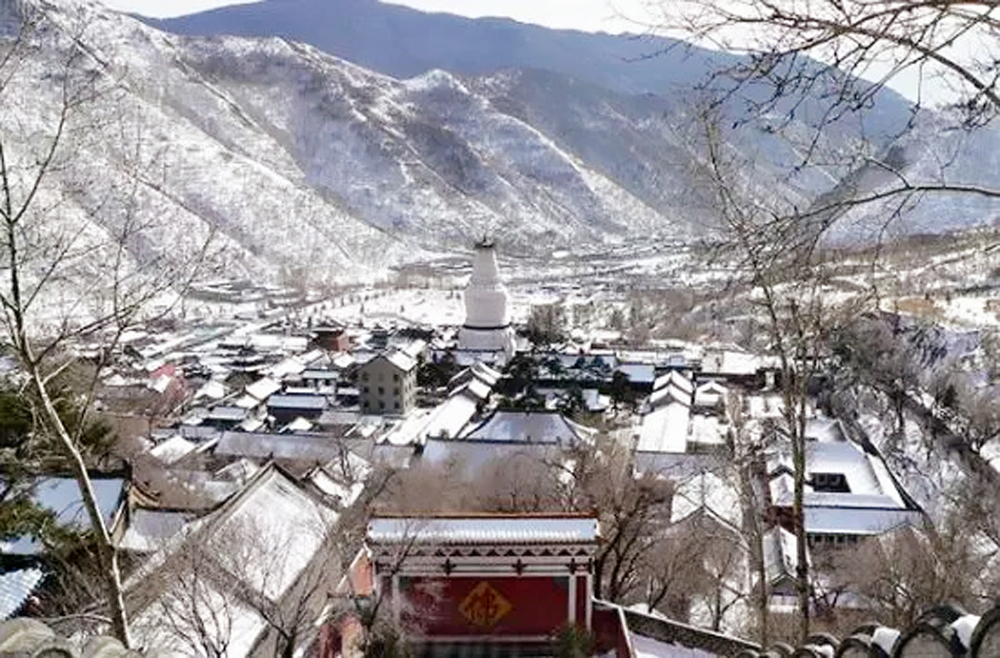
(485, 529)
(15, 588)
(943, 632)
(30, 637)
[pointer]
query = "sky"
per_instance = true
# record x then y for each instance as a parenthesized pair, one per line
(613, 16)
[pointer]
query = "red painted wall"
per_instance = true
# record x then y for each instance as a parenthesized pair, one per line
(537, 605)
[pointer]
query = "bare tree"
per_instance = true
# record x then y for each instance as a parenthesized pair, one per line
(81, 254)
(244, 580)
(695, 564)
(900, 574)
(632, 510)
(778, 263)
(825, 63)
(747, 446)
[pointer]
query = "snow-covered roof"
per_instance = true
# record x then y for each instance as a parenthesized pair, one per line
(638, 373)
(212, 389)
(16, 587)
(486, 373)
(528, 427)
(450, 417)
(485, 530)
(478, 389)
(707, 430)
(709, 394)
(305, 402)
(265, 537)
(825, 430)
(149, 529)
(414, 348)
(647, 647)
(676, 378)
(290, 366)
(227, 414)
(665, 429)
(251, 424)
(865, 474)
(160, 383)
(669, 394)
(300, 424)
(61, 495)
(344, 494)
(857, 520)
(173, 449)
(706, 491)
(263, 388)
(247, 402)
(780, 553)
(475, 456)
(320, 374)
(401, 360)
(262, 445)
(343, 361)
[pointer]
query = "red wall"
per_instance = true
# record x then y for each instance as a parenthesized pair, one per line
(538, 605)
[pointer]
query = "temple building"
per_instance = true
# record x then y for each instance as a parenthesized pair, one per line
(487, 320)
(497, 586)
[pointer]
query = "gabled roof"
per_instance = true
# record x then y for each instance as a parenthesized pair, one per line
(709, 394)
(266, 445)
(277, 526)
(780, 554)
(228, 414)
(665, 429)
(669, 393)
(675, 378)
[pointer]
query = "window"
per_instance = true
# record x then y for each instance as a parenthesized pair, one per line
(381, 404)
(395, 377)
(830, 483)
(395, 405)
(381, 390)
(367, 389)
(395, 391)
(364, 376)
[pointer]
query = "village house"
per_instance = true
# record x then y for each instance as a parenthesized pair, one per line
(388, 384)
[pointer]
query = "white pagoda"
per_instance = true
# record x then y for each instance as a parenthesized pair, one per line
(487, 321)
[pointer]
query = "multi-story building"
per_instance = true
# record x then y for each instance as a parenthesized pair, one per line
(388, 384)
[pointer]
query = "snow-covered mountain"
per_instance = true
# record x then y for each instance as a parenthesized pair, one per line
(305, 165)
(937, 151)
(561, 76)
(311, 168)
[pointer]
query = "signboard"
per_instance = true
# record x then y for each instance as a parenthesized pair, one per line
(525, 606)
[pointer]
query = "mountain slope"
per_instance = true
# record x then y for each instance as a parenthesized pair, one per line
(404, 42)
(308, 168)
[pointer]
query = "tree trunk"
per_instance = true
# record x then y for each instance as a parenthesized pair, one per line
(802, 564)
(107, 552)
